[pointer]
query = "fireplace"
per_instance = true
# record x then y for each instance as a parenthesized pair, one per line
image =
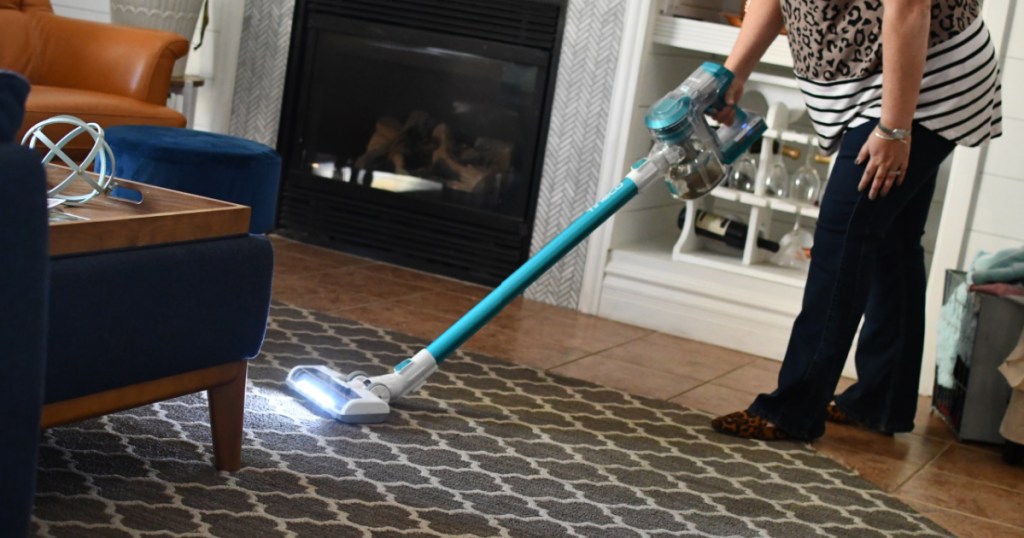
(413, 131)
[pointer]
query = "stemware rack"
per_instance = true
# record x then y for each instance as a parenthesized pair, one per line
(757, 209)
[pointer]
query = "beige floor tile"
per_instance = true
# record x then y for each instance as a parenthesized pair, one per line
(760, 375)
(291, 264)
(963, 525)
(579, 331)
(542, 353)
(886, 461)
(426, 281)
(972, 497)
(334, 259)
(980, 462)
(677, 356)
(631, 378)
(715, 399)
(333, 290)
(398, 316)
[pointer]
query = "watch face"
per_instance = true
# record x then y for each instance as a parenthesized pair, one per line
(898, 134)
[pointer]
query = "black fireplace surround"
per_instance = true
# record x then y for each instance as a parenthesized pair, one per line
(413, 131)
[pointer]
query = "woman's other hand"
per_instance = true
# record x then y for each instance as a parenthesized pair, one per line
(886, 159)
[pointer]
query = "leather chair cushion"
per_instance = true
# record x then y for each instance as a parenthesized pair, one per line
(15, 39)
(27, 5)
(105, 109)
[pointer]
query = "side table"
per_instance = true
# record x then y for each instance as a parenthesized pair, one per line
(185, 87)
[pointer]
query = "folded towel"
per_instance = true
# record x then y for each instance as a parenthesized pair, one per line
(1002, 266)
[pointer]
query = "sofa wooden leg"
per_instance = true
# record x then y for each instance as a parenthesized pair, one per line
(227, 411)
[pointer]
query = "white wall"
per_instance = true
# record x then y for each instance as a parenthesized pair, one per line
(215, 61)
(997, 218)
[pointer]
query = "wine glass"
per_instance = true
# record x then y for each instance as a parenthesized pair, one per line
(776, 183)
(743, 173)
(806, 184)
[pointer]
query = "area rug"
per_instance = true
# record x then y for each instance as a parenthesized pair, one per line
(486, 448)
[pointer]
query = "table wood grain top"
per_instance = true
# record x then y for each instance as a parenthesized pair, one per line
(164, 216)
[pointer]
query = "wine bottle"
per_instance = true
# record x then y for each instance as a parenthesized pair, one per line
(724, 229)
(785, 149)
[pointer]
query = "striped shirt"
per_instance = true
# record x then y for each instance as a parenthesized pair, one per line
(842, 82)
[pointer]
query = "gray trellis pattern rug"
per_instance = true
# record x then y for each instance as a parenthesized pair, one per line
(486, 448)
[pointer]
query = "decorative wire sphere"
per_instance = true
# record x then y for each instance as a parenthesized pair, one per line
(100, 154)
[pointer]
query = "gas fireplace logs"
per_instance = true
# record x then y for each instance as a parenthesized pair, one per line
(428, 149)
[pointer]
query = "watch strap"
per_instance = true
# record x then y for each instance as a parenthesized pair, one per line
(895, 134)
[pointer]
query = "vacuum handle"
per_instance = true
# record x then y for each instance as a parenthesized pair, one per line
(518, 281)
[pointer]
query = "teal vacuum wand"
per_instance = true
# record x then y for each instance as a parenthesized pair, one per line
(687, 152)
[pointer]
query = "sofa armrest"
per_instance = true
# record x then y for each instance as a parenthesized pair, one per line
(23, 314)
(107, 58)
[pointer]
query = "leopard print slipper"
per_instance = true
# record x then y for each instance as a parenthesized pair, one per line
(838, 416)
(834, 414)
(748, 426)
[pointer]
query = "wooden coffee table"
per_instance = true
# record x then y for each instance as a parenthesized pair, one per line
(164, 216)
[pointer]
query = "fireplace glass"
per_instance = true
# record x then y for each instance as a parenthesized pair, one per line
(414, 141)
(399, 113)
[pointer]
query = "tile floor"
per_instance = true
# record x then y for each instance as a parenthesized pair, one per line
(965, 487)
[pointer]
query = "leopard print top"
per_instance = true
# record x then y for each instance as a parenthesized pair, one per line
(842, 39)
(837, 59)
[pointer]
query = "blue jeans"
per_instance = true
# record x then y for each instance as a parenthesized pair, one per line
(868, 261)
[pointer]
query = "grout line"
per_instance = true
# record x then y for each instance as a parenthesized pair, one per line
(957, 512)
(599, 351)
(709, 381)
(923, 466)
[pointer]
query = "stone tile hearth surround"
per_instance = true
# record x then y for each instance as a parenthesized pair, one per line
(575, 140)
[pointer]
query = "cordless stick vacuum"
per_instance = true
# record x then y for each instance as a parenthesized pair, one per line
(686, 151)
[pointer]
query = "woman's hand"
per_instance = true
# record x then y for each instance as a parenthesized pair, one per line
(887, 160)
(727, 115)
(762, 22)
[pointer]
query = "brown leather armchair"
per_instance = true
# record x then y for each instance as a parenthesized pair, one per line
(102, 73)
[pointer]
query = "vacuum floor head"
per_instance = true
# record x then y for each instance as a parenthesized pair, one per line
(347, 400)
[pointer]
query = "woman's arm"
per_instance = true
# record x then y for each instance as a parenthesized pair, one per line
(905, 27)
(762, 23)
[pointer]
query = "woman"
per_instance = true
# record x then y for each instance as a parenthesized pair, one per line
(940, 88)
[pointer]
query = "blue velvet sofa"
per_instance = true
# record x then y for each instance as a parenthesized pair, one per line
(23, 285)
(86, 335)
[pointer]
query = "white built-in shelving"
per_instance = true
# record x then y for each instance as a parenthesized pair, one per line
(712, 37)
(665, 277)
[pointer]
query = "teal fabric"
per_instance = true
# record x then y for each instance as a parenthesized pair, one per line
(1002, 266)
(214, 165)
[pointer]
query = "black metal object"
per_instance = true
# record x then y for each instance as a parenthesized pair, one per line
(480, 236)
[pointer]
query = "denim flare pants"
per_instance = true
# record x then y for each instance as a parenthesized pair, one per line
(867, 261)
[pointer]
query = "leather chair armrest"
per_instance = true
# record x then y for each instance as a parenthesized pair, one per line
(108, 58)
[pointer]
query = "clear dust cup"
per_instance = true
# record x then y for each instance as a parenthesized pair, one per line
(695, 175)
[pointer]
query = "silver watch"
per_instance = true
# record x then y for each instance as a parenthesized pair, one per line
(895, 134)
